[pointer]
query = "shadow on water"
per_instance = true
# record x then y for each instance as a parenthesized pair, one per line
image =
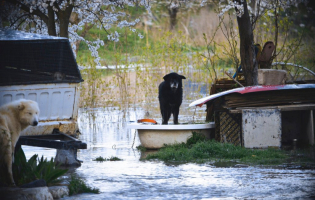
(106, 135)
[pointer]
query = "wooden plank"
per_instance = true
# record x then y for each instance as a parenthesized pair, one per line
(310, 128)
(297, 107)
(225, 86)
(269, 103)
(281, 108)
(270, 98)
(56, 140)
(24, 140)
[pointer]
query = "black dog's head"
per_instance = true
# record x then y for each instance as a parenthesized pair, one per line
(174, 80)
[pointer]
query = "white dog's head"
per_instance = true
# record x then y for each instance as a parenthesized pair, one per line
(29, 112)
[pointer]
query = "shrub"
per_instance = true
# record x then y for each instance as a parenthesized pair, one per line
(101, 159)
(78, 186)
(27, 171)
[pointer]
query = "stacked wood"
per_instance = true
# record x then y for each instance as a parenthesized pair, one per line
(270, 98)
(220, 86)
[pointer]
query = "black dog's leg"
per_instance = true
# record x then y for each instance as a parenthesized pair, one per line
(175, 114)
(166, 114)
(162, 112)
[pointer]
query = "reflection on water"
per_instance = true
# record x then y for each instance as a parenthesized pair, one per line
(104, 130)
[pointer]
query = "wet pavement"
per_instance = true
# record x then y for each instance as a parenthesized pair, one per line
(104, 131)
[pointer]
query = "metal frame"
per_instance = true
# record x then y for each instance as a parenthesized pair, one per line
(56, 140)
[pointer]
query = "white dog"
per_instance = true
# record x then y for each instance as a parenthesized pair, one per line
(14, 118)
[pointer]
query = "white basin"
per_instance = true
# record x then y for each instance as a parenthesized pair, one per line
(155, 136)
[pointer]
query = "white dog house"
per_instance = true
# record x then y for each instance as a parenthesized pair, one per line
(43, 69)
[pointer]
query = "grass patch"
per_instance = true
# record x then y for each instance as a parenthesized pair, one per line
(197, 149)
(304, 157)
(141, 148)
(101, 159)
(78, 186)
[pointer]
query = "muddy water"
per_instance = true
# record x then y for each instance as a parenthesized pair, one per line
(104, 130)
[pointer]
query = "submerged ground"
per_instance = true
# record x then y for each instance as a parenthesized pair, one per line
(104, 130)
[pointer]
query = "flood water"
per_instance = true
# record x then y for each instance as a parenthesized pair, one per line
(106, 135)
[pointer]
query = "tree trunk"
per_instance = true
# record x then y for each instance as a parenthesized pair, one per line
(173, 13)
(51, 22)
(64, 19)
(247, 48)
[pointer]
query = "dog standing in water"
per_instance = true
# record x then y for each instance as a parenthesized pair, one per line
(171, 96)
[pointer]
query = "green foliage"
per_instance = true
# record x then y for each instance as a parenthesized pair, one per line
(195, 138)
(141, 148)
(78, 186)
(123, 48)
(23, 170)
(27, 171)
(289, 29)
(200, 150)
(89, 89)
(114, 158)
(101, 159)
(48, 171)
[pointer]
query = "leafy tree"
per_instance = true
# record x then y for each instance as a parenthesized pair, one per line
(74, 18)
(247, 17)
(66, 18)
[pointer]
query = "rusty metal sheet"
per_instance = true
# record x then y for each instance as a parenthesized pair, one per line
(251, 89)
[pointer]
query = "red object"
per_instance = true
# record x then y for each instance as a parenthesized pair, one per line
(147, 120)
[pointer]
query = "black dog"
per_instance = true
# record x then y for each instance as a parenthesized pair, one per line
(170, 96)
